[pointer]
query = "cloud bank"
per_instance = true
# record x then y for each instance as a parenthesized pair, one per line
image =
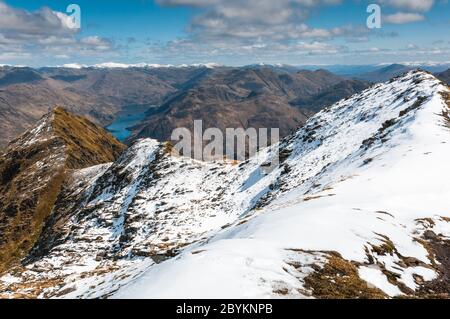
(43, 32)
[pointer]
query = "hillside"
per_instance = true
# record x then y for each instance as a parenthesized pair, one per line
(99, 94)
(256, 97)
(444, 76)
(356, 208)
(330, 95)
(33, 169)
(351, 213)
(383, 74)
(24, 100)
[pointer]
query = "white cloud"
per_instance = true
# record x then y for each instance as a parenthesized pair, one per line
(259, 30)
(413, 5)
(402, 18)
(45, 33)
(254, 26)
(42, 22)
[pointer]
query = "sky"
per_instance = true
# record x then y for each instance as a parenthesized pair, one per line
(229, 32)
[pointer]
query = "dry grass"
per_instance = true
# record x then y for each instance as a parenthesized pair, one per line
(387, 247)
(339, 279)
(87, 144)
(25, 228)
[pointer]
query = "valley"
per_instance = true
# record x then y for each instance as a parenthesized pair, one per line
(125, 120)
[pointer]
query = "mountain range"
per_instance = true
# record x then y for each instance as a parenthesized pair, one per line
(250, 96)
(165, 97)
(355, 207)
(247, 97)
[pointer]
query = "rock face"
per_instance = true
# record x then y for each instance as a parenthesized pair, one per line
(34, 167)
(356, 208)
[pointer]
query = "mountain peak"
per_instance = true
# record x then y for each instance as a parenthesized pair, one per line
(85, 143)
(35, 166)
(352, 196)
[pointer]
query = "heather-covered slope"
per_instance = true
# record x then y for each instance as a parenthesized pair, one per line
(356, 208)
(34, 167)
(385, 73)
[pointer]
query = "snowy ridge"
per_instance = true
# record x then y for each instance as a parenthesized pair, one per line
(43, 131)
(352, 181)
(329, 207)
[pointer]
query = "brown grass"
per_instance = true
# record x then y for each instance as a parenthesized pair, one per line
(339, 279)
(87, 144)
(446, 111)
(386, 248)
(24, 230)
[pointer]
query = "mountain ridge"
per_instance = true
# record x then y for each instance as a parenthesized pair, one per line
(33, 169)
(340, 216)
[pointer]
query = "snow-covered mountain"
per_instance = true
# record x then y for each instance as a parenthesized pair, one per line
(357, 207)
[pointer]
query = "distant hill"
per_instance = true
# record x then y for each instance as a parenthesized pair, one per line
(330, 95)
(26, 94)
(384, 74)
(12, 75)
(444, 76)
(245, 97)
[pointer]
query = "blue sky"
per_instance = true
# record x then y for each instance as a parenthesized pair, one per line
(232, 32)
